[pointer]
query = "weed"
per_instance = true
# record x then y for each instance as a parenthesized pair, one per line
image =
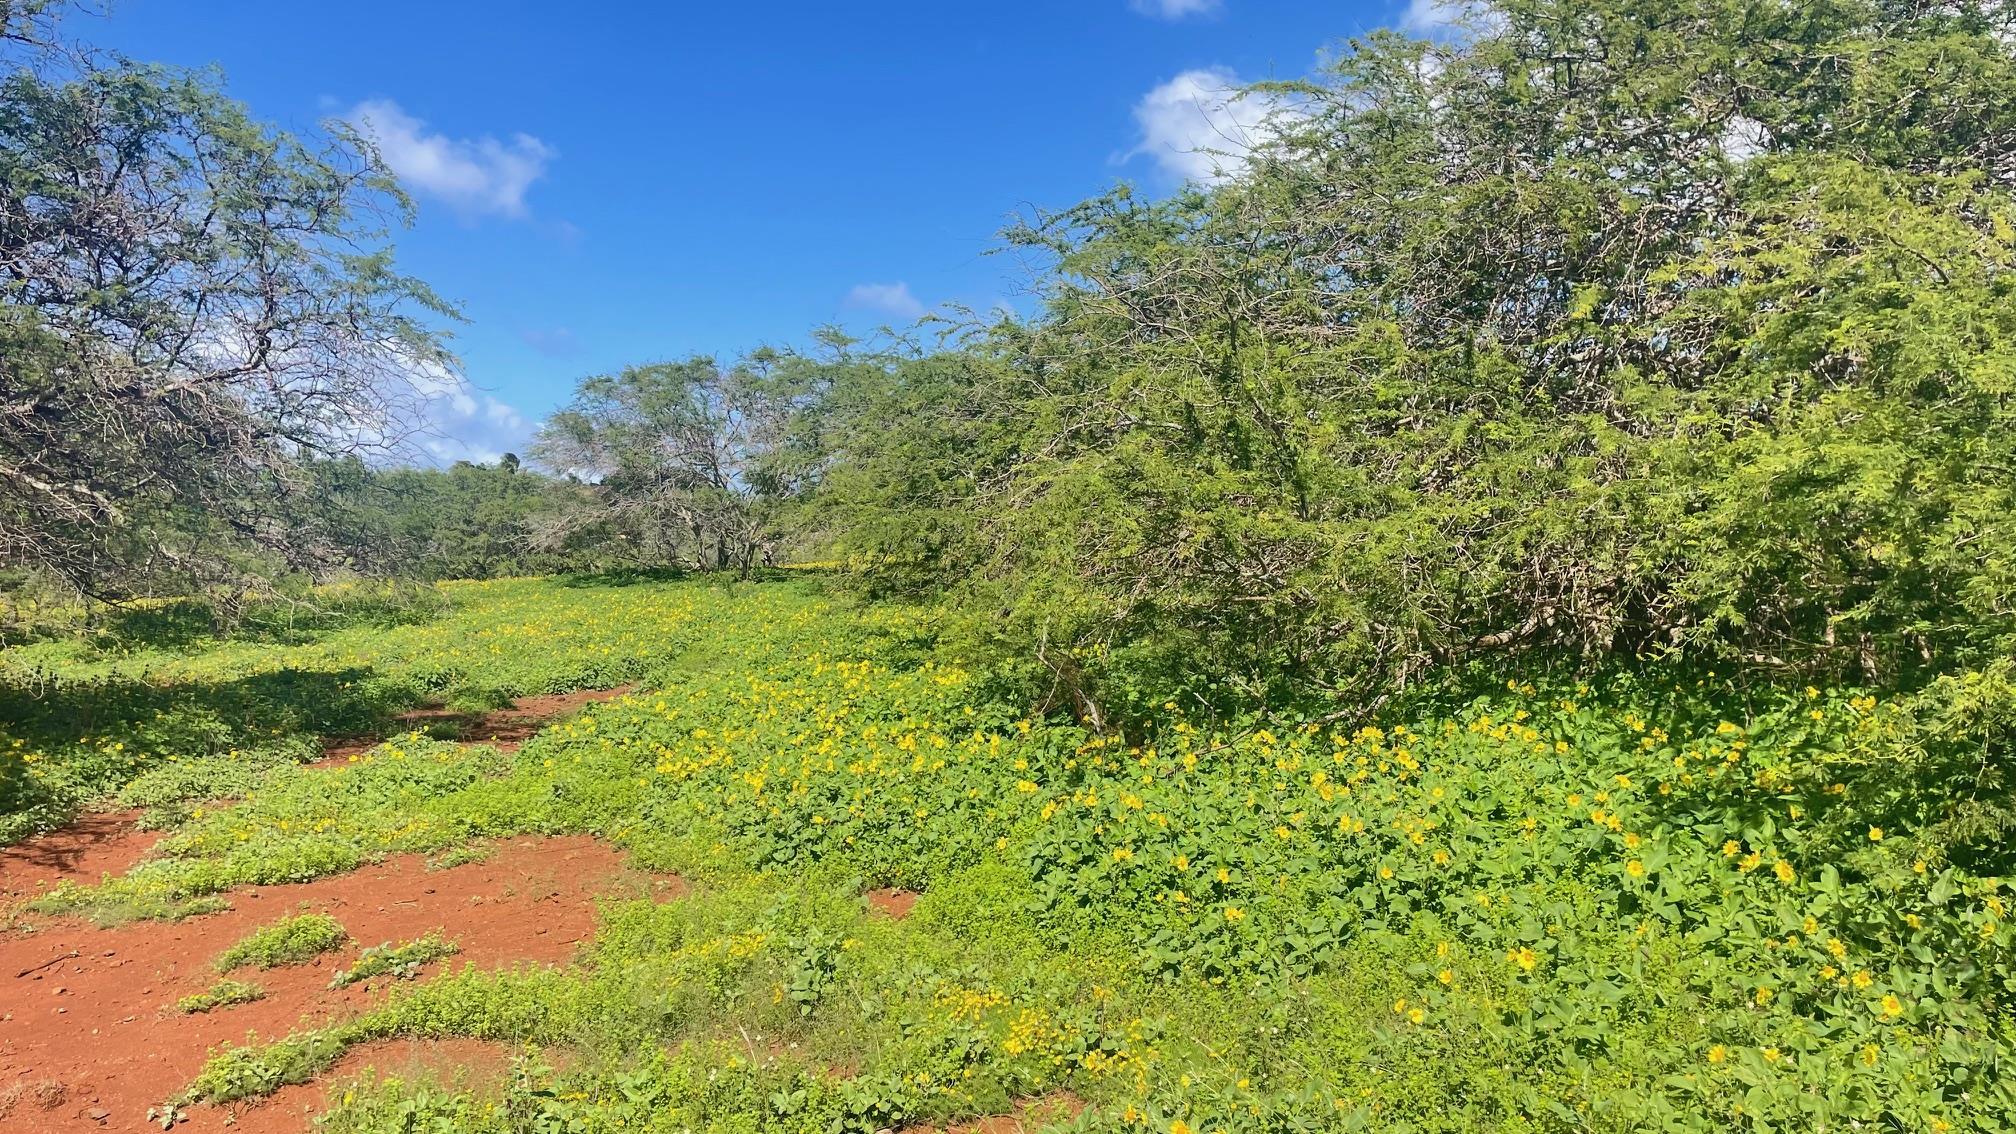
(289, 941)
(220, 995)
(401, 962)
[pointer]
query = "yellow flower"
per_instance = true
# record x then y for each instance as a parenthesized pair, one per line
(1416, 1016)
(1717, 1053)
(1446, 976)
(1891, 1005)
(1179, 1127)
(1400, 1005)
(1234, 913)
(1869, 1054)
(1784, 871)
(1635, 868)
(1875, 834)
(1762, 996)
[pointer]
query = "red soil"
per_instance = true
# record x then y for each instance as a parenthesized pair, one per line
(504, 729)
(84, 851)
(1029, 1114)
(892, 903)
(92, 1040)
(465, 1063)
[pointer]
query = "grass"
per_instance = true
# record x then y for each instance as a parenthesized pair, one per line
(401, 962)
(1539, 908)
(175, 722)
(290, 941)
(223, 994)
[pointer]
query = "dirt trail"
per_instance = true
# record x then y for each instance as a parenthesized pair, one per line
(89, 1038)
(1029, 1114)
(90, 1042)
(92, 846)
(84, 851)
(504, 729)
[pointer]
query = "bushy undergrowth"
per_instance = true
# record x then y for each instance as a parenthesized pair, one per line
(290, 941)
(1639, 905)
(223, 994)
(401, 962)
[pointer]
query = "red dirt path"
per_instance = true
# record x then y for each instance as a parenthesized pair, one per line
(96, 1033)
(90, 847)
(503, 729)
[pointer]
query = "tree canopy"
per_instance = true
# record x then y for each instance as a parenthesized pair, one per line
(191, 304)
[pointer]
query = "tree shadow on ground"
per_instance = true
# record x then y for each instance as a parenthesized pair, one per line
(90, 736)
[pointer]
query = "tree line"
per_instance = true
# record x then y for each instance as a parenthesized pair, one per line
(1674, 331)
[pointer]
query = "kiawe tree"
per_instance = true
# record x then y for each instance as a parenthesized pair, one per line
(674, 455)
(1599, 329)
(191, 305)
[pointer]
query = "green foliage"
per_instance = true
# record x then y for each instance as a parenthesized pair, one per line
(467, 521)
(223, 994)
(1634, 904)
(176, 726)
(1594, 333)
(290, 941)
(176, 260)
(401, 962)
(675, 453)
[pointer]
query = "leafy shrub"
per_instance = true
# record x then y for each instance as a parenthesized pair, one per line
(289, 941)
(401, 962)
(223, 994)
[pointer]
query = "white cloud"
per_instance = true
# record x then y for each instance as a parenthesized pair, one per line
(451, 420)
(474, 175)
(1200, 126)
(1441, 19)
(888, 298)
(1174, 9)
(466, 424)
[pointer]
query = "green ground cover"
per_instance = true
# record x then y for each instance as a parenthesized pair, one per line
(1540, 908)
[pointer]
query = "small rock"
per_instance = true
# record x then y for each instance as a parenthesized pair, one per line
(99, 1113)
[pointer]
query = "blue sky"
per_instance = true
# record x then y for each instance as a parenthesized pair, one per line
(602, 184)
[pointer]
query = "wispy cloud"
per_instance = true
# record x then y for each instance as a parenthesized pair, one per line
(1174, 9)
(468, 425)
(455, 421)
(1443, 19)
(1200, 126)
(887, 298)
(554, 342)
(476, 176)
